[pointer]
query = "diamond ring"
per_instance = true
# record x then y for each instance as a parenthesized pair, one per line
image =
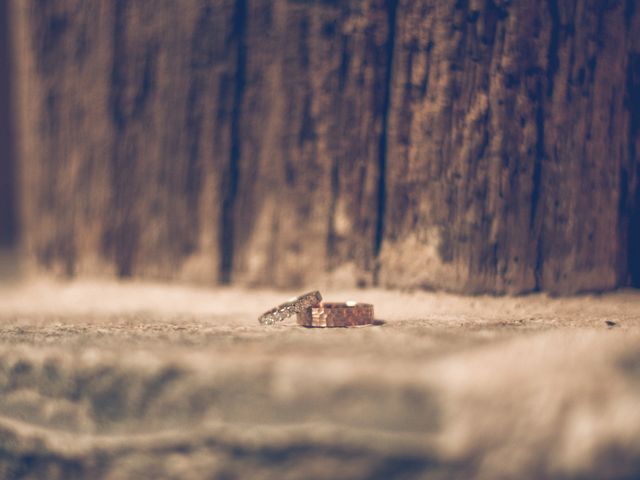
(291, 307)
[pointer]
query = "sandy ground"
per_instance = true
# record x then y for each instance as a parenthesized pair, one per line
(132, 380)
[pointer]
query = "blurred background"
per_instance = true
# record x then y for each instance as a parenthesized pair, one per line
(471, 146)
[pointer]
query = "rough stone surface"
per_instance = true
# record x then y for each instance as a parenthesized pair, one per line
(104, 380)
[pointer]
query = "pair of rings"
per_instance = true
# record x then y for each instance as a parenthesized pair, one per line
(311, 311)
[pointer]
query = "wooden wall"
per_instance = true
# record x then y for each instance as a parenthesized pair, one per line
(474, 146)
(8, 220)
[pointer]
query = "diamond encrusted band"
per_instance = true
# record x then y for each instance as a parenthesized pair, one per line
(293, 306)
(325, 315)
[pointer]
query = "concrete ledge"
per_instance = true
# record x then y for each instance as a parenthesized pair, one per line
(107, 380)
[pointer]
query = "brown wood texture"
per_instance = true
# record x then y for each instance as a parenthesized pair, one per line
(310, 126)
(473, 146)
(128, 109)
(8, 226)
(510, 146)
(587, 164)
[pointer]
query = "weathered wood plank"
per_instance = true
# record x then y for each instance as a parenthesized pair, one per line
(631, 207)
(8, 213)
(126, 134)
(586, 163)
(273, 142)
(172, 96)
(310, 131)
(508, 147)
(64, 69)
(464, 146)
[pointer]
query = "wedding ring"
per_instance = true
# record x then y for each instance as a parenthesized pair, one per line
(293, 306)
(326, 315)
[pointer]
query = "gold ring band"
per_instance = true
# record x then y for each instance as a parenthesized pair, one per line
(328, 315)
